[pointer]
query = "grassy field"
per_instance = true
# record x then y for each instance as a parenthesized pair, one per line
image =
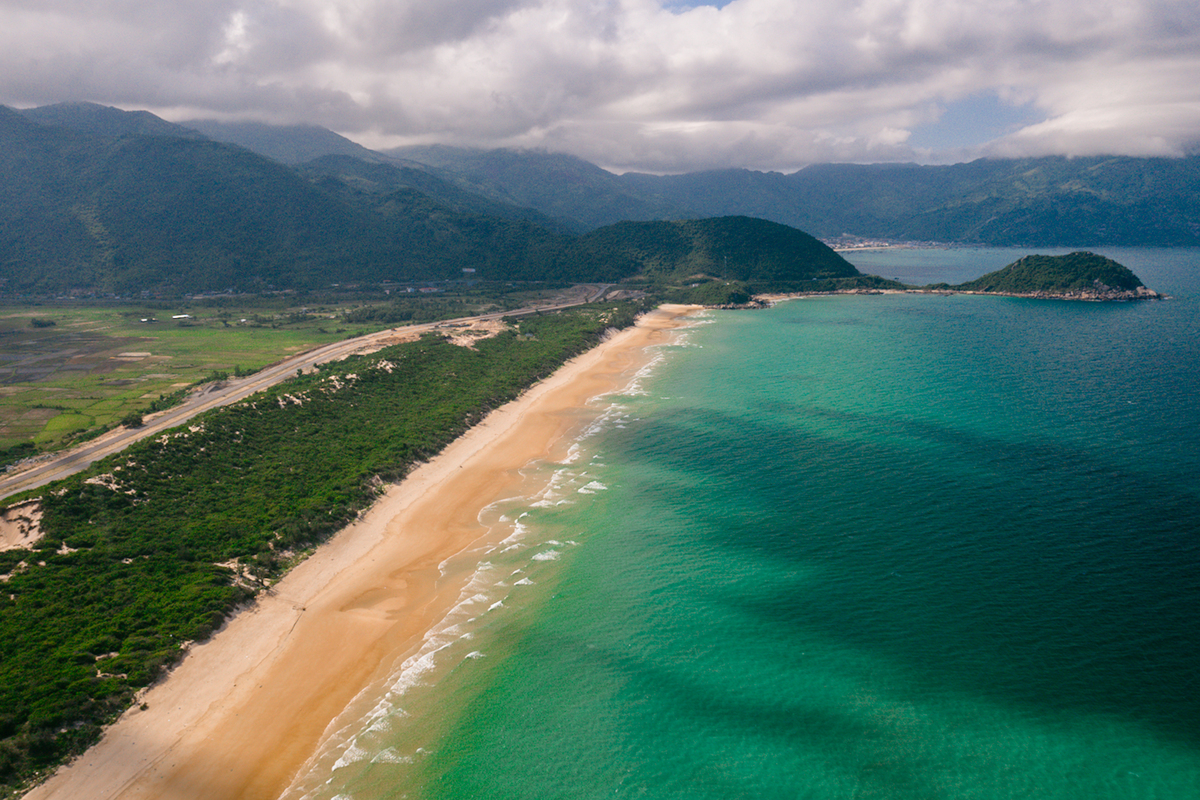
(97, 363)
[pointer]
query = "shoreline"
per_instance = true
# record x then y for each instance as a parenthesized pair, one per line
(767, 300)
(248, 708)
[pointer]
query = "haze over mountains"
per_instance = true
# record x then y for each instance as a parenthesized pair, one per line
(99, 199)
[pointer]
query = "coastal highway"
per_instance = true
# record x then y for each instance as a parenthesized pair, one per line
(223, 393)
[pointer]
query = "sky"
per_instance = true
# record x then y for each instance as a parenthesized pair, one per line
(661, 86)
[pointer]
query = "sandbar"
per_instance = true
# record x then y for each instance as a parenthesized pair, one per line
(245, 710)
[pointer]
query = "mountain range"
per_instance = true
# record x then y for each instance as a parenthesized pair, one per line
(96, 199)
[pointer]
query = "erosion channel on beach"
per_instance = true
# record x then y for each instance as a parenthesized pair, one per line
(247, 709)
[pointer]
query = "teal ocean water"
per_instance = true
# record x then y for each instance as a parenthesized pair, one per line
(850, 547)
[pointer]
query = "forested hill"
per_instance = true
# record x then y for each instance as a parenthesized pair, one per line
(1080, 274)
(729, 248)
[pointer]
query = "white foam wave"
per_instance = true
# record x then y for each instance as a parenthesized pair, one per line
(353, 755)
(549, 555)
(390, 756)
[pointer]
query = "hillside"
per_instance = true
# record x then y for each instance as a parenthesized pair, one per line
(94, 204)
(85, 212)
(106, 121)
(287, 144)
(728, 248)
(558, 185)
(1051, 201)
(1081, 274)
(365, 182)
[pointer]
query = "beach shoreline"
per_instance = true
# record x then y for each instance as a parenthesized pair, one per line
(245, 710)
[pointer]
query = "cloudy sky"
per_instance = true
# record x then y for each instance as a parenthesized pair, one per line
(652, 85)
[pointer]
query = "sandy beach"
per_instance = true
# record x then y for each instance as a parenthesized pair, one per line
(245, 710)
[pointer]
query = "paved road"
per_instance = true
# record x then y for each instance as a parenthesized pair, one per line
(223, 393)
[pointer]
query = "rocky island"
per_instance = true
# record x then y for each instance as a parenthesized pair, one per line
(1075, 276)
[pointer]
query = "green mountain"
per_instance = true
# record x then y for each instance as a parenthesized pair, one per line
(93, 203)
(288, 144)
(726, 248)
(559, 185)
(1052, 201)
(1045, 201)
(106, 121)
(1074, 274)
(91, 213)
(366, 182)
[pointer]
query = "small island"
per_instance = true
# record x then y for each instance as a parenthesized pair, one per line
(1075, 276)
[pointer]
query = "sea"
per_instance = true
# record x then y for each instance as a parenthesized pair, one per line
(886, 546)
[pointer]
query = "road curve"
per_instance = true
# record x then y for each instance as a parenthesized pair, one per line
(223, 393)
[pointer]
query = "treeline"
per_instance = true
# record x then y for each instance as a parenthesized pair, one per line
(129, 568)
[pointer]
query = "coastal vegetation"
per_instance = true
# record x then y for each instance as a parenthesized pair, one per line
(152, 549)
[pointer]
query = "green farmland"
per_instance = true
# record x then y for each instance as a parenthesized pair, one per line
(98, 363)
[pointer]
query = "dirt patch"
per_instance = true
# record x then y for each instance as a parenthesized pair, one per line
(20, 526)
(461, 334)
(469, 335)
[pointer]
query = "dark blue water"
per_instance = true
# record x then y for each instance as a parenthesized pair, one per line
(851, 547)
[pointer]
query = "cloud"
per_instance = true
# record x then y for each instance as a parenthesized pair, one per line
(637, 84)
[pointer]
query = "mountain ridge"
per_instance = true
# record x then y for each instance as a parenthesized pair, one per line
(115, 210)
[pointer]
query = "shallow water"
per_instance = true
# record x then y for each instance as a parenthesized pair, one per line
(887, 546)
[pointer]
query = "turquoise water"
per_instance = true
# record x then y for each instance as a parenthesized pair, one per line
(851, 547)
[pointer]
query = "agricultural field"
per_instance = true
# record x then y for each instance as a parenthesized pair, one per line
(68, 371)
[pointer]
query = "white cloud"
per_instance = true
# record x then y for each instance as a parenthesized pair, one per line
(629, 83)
